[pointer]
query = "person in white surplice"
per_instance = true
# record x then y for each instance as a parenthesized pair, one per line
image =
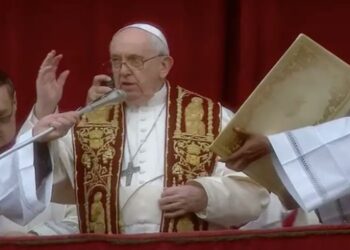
(25, 188)
(312, 162)
(145, 166)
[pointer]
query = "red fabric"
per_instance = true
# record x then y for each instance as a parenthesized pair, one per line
(290, 218)
(222, 48)
(316, 238)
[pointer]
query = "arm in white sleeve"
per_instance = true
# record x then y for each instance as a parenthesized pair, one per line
(59, 226)
(21, 198)
(61, 152)
(30, 122)
(233, 198)
(313, 162)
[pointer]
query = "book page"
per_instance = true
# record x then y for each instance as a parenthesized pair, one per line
(307, 86)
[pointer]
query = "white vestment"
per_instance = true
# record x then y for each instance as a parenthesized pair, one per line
(314, 165)
(54, 220)
(276, 215)
(20, 200)
(233, 198)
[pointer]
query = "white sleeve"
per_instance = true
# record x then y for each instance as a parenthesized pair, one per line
(61, 153)
(20, 200)
(313, 162)
(233, 198)
(59, 226)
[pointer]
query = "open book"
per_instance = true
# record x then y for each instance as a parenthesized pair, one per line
(308, 85)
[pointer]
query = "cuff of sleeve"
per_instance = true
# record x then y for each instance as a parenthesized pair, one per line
(203, 214)
(32, 117)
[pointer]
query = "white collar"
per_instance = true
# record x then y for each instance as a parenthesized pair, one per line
(158, 98)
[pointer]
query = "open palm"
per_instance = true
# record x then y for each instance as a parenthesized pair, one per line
(49, 87)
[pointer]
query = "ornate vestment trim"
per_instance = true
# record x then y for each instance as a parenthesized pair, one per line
(192, 123)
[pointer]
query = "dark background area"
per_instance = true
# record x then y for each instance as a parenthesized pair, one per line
(222, 48)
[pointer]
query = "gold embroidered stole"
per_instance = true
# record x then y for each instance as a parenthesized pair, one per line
(192, 121)
(98, 145)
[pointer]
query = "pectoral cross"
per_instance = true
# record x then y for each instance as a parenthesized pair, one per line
(129, 171)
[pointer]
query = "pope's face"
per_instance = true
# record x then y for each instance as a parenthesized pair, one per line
(138, 67)
(7, 116)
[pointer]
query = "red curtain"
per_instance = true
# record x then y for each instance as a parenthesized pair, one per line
(222, 48)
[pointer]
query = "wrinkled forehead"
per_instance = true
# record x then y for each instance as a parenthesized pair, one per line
(131, 41)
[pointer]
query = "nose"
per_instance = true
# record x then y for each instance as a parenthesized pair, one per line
(125, 69)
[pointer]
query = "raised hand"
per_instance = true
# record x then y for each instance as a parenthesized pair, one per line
(49, 87)
(180, 200)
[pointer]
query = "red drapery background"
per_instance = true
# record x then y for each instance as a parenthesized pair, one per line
(222, 48)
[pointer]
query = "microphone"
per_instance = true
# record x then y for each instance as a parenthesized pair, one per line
(114, 96)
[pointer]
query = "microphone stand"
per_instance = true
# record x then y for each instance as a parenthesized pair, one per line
(114, 96)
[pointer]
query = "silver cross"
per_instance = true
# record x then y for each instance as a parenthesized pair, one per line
(129, 171)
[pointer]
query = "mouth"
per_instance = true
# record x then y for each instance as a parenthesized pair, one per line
(128, 86)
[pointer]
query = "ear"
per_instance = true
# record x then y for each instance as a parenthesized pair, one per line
(166, 65)
(14, 102)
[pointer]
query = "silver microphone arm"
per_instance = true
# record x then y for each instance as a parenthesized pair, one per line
(114, 96)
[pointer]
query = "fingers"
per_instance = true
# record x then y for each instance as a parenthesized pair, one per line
(100, 79)
(63, 122)
(175, 214)
(71, 116)
(48, 59)
(51, 59)
(234, 156)
(254, 148)
(48, 69)
(62, 78)
(240, 152)
(60, 122)
(101, 90)
(171, 207)
(166, 200)
(97, 89)
(169, 191)
(44, 70)
(96, 92)
(56, 60)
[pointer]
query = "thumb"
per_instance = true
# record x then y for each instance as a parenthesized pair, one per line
(234, 156)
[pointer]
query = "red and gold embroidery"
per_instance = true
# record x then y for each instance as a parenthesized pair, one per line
(192, 123)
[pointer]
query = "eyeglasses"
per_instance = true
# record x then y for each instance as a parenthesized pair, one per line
(133, 61)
